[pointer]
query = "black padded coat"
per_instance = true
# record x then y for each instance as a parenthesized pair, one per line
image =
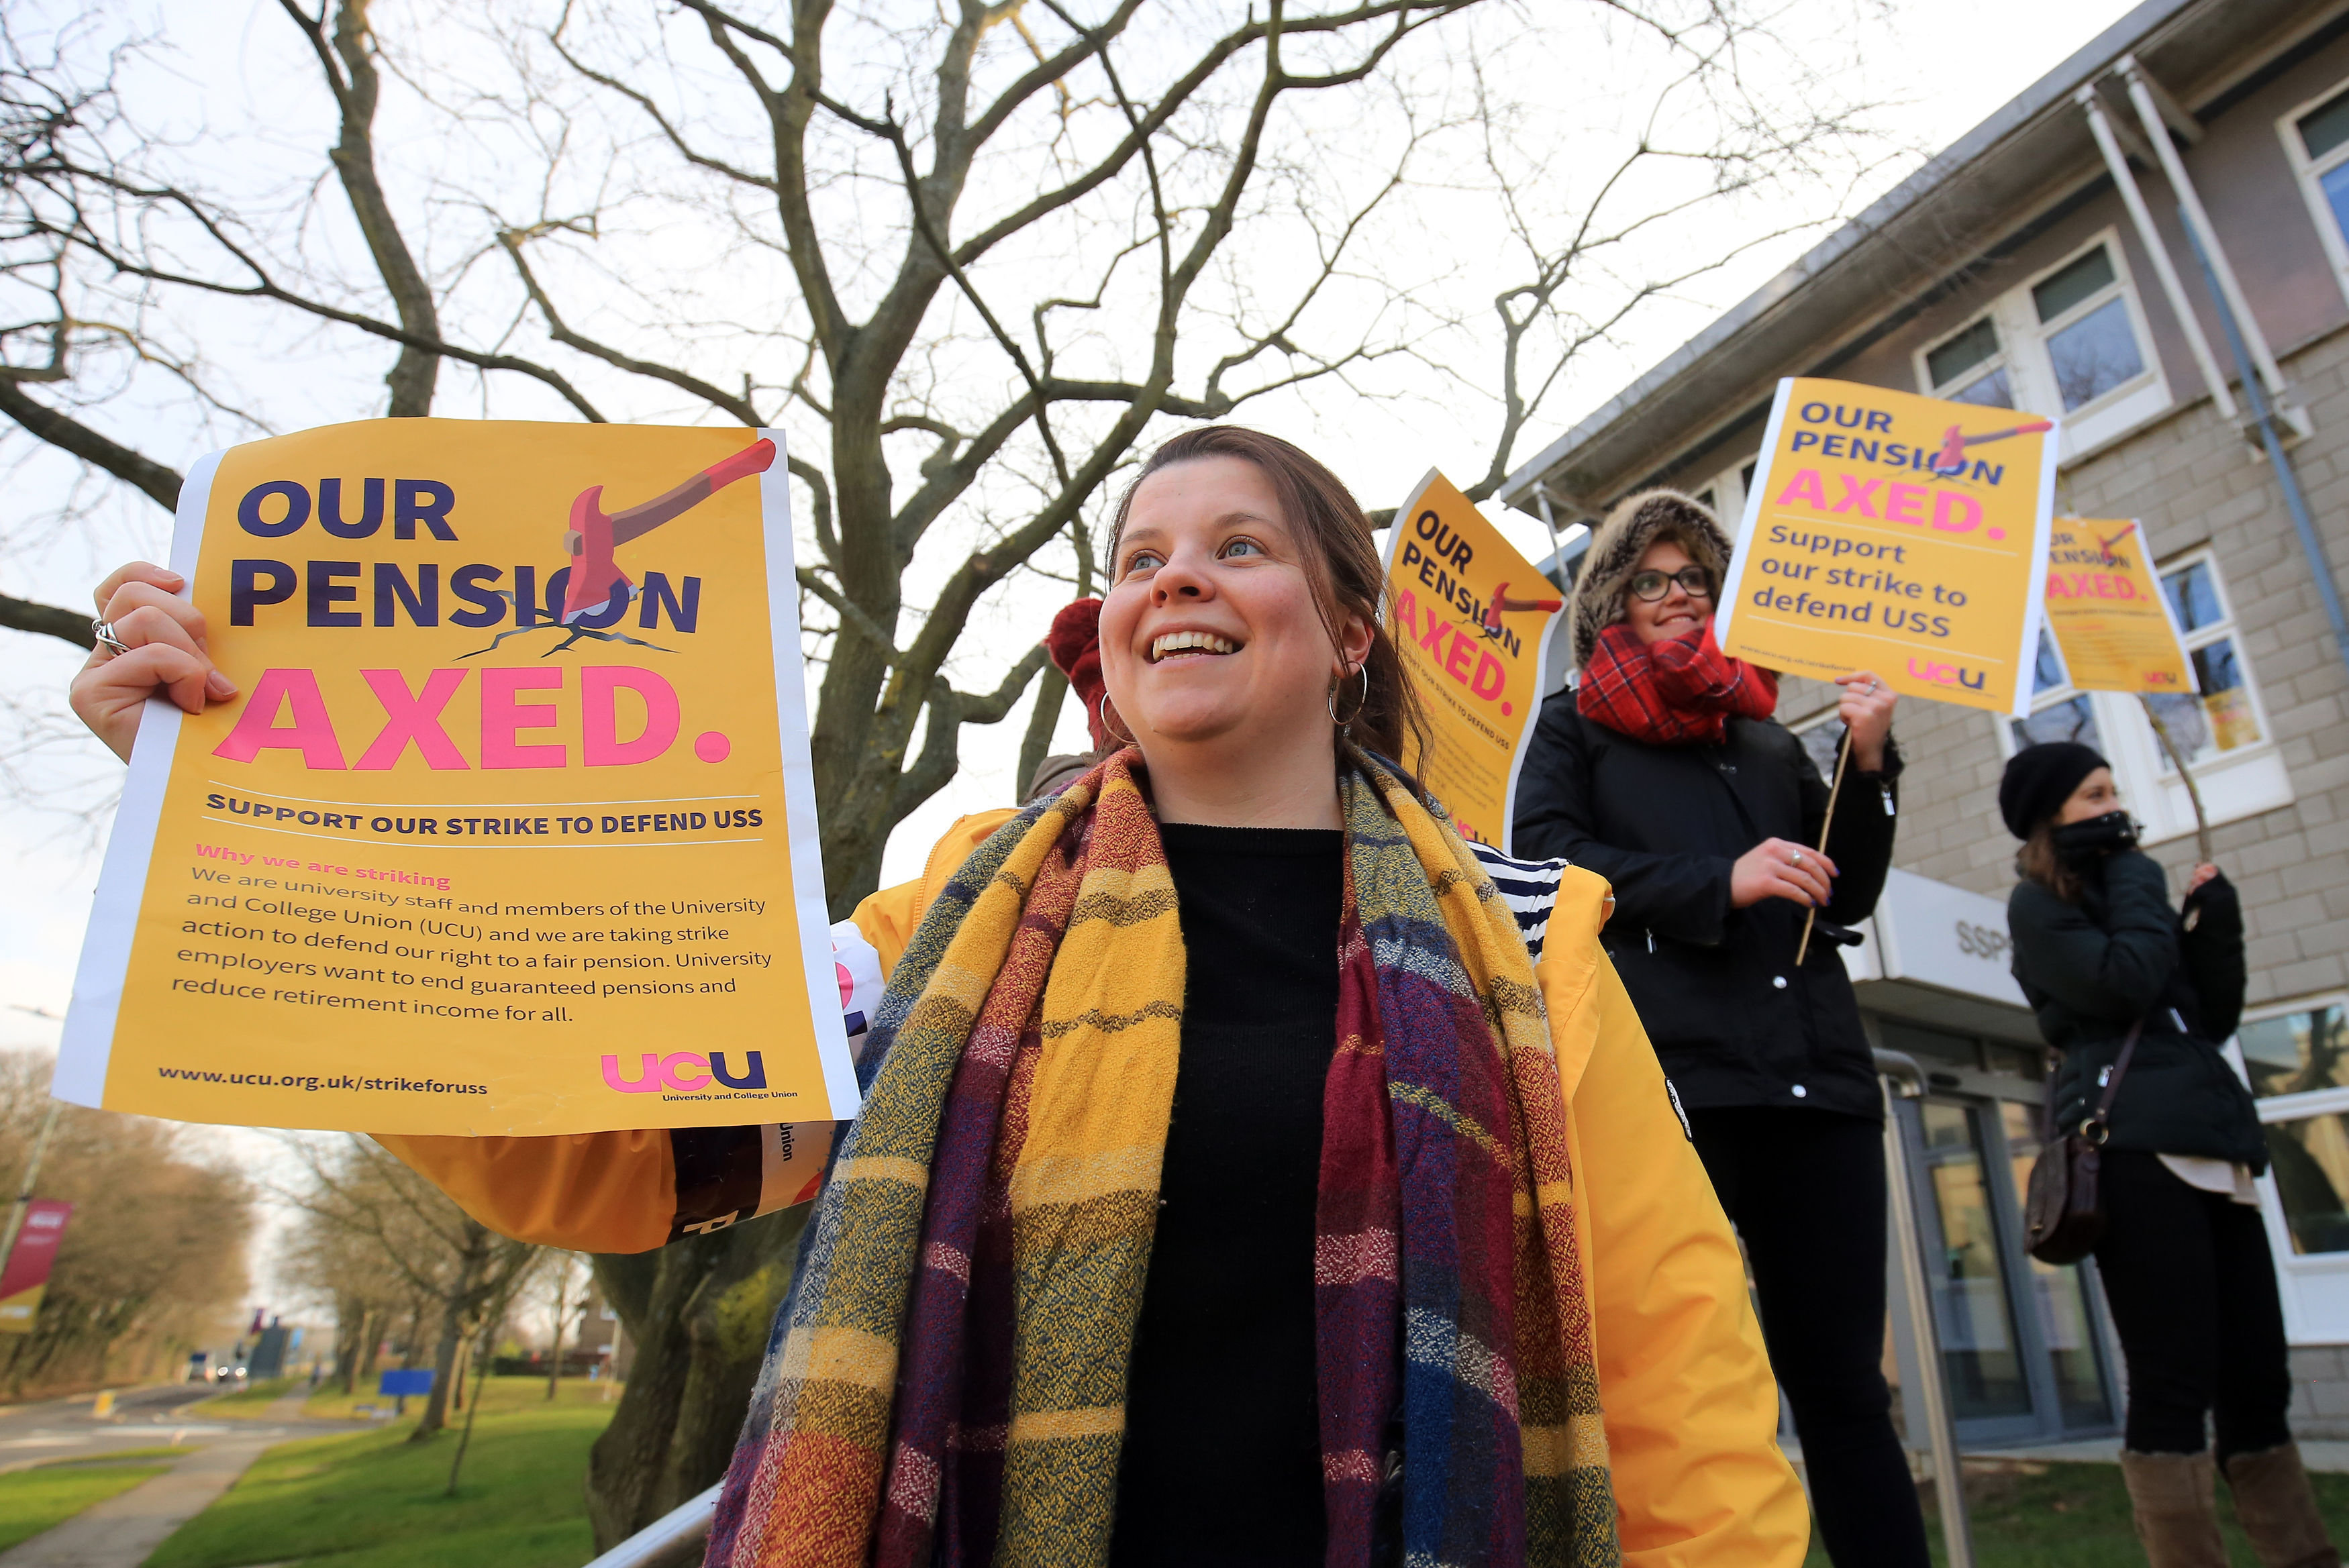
(2090, 969)
(1734, 1021)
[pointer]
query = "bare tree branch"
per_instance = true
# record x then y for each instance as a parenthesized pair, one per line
(158, 483)
(47, 620)
(357, 87)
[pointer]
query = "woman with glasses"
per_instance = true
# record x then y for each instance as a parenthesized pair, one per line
(1663, 771)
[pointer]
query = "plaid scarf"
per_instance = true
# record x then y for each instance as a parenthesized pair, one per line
(1682, 691)
(946, 1382)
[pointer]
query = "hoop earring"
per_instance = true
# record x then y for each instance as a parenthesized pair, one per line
(1106, 712)
(1346, 726)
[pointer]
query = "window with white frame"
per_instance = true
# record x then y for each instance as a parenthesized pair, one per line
(2224, 715)
(2220, 729)
(1725, 493)
(2297, 1060)
(2316, 142)
(2058, 712)
(1970, 367)
(2070, 341)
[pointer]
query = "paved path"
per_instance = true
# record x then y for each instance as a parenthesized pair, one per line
(121, 1531)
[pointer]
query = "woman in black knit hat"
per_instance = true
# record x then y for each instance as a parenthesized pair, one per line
(2184, 1259)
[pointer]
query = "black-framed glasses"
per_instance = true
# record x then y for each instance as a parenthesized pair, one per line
(1653, 585)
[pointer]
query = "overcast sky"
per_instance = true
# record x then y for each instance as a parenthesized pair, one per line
(1947, 67)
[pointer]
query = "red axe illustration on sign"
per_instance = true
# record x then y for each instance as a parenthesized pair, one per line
(596, 586)
(1952, 459)
(1502, 602)
(2105, 546)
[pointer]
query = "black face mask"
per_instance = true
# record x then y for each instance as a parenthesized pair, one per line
(2079, 842)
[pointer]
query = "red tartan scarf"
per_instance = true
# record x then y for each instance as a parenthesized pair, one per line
(1682, 691)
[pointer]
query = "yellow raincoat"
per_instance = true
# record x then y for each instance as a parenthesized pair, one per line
(1691, 1409)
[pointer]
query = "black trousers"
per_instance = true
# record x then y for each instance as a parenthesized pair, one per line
(2192, 1290)
(1806, 1190)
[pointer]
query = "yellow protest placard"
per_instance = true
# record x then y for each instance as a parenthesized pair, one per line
(511, 827)
(1471, 619)
(2107, 612)
(1894, 533)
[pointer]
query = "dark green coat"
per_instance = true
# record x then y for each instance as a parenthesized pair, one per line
(2121, 953)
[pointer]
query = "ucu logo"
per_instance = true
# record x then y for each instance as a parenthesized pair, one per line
(1948, 674)
(686, 1071)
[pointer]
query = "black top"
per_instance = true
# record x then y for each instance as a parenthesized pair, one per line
(1735, 1022)
(2090, 969)
(1222, 1459)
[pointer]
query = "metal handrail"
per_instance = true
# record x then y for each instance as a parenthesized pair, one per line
(682, 1526)
(1903, 1076)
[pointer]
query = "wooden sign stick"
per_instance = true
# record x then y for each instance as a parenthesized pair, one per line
(1842, 758)
(2176, 760)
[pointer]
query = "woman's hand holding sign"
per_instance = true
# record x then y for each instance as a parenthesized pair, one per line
(1866, 710)
(163, 646)
(1779, 868)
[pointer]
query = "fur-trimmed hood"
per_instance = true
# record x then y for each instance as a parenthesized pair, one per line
(1637, 523)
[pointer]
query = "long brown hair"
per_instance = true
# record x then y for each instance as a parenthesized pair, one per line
(2038, 861)
(1343, 568)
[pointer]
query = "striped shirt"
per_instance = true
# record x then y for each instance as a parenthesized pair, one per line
(1528, 887)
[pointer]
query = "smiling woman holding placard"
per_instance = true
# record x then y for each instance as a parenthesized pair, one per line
(1197, 1092)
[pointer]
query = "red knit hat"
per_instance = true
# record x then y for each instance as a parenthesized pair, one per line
(1074, 642)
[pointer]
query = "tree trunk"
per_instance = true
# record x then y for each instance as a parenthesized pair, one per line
(457, 1308)
(682, 1406)
(415, 1334)
(1043, 719)
(554, 1359)
(350, 1336)
(444, 1366)
(481, 1358)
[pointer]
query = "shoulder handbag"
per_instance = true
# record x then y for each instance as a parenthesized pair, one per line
(2063, 1212)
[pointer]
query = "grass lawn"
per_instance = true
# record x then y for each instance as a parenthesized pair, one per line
(2077, 1516)
(371, 1500)
(32, 1500)
(331, 1403)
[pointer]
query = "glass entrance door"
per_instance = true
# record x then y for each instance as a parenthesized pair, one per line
(2019, 1349)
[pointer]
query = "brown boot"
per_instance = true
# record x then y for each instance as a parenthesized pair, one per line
(2277, 1510)
(2173, 1497)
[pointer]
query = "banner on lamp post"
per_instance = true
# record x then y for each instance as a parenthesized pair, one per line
(1472, 620)
(25, 1277)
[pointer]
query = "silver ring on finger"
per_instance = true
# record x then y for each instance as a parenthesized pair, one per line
(1794, 859)
(104, 632)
